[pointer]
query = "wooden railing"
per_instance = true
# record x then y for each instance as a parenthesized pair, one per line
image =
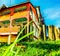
(9, 30)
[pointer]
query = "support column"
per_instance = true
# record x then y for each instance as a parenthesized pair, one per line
(28, 24)
(34, 25)
(44, 32)
(22, 28)
(35, 29)
(9, 38)
(31, 27)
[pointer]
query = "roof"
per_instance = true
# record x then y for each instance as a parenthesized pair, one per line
(19, 4)
(5, 7)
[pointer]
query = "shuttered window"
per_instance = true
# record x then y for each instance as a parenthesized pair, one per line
(20, 19)
(6, 22)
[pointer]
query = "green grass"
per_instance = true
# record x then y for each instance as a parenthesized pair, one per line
(34, 48)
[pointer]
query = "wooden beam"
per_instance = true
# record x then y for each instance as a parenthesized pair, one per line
(9, 37)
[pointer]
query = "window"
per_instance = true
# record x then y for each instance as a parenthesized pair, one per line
(6, 23)
(5, 12)
(20, 9)
(18, 21)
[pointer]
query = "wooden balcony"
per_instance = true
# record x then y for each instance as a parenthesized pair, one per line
(8, 30)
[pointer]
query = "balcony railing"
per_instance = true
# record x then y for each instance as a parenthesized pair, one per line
(8, 30)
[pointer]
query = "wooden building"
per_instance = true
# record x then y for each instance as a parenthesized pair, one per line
(13, 19)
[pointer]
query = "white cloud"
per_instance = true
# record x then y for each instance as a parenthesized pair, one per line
(57, 23)
(52, 13)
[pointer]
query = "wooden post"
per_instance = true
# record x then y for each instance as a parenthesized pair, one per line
(9, 39)
(34, 27)
(51, 32)
(22, 28)
(59, 33)
(40, 32)
(44, 32)
(28, 24)
(56, 33)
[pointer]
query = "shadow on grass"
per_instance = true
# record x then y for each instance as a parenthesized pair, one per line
(44, 46)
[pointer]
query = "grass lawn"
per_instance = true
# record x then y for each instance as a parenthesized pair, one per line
(35, 48)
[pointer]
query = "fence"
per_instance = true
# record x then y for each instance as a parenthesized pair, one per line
(50, 32)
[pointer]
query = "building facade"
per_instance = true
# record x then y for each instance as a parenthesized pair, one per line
(13, 19)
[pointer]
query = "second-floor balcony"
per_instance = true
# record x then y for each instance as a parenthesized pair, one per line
(8, 30)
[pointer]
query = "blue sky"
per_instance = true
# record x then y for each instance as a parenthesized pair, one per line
(50, 9)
